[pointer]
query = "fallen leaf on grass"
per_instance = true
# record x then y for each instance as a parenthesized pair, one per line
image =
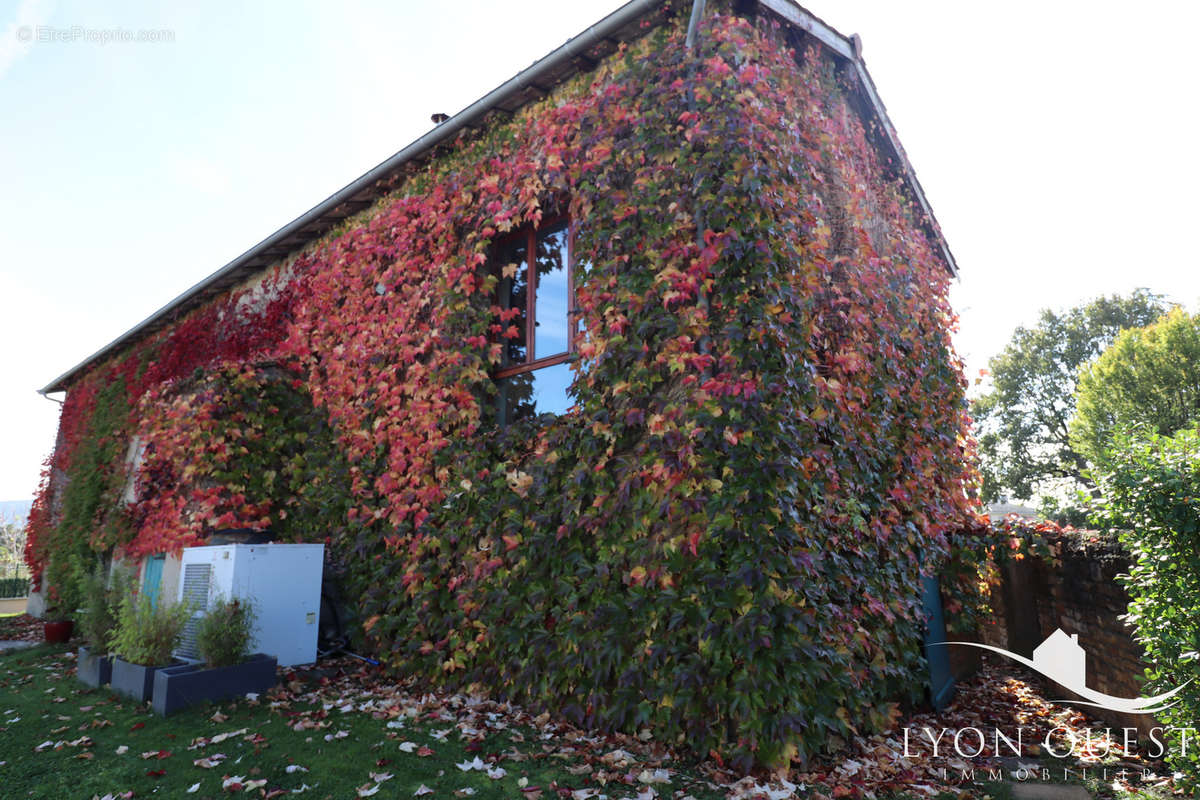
(657, 776)
(408, 747)
(295, 768)
(123, 749)
(496, 773)
(422, 789)
(195, 787)
(368, 790)
(202, 741)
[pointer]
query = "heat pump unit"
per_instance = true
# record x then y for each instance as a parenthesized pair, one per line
(283, 581)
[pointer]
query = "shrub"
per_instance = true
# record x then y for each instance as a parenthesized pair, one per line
(226, 631)
(102, 595)
(146, 633)
(63, 596)
(1152, 489)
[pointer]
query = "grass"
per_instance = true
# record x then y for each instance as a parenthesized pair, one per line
(100, 743)
(339, 730)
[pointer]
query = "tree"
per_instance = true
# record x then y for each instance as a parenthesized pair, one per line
(1148, 381)
(1022, 424)
(12, 549)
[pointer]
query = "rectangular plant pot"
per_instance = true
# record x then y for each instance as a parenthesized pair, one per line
(93, 670)
(134, 680)
(176, 688)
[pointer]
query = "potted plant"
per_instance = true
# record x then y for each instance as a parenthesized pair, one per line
(224, 637)
(59, 621)
(143, 639)
(101, 598)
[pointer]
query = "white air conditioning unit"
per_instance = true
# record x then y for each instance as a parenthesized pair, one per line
(283, 581)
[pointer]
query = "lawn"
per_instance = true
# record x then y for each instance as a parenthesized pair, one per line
(344, 730)
(338, 732)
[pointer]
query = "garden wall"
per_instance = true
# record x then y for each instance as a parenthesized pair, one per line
(1079, 593)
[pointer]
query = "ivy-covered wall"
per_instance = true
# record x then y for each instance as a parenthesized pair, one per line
(721, 542)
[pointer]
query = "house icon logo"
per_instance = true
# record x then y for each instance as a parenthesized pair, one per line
(1061, 659)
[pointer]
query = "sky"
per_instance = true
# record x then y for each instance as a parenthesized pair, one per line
(1053, 140)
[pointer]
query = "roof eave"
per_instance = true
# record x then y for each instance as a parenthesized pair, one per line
(363, 191)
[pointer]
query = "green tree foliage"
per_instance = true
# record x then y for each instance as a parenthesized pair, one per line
(1023, 423)
(1152, 487)
(1148, 378)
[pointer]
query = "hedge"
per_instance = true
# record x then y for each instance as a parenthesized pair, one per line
(14, 587)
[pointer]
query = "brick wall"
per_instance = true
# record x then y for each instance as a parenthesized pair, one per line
(1079, 594)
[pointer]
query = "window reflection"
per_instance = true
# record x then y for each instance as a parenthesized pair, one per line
(514, 284)
(551, 332)
(540, 391)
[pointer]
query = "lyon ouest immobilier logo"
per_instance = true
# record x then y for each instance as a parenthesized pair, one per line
(1061, 659)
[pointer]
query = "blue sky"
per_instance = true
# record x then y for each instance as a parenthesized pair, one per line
(1054, 142)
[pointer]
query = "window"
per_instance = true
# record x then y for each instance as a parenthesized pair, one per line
(535, 295)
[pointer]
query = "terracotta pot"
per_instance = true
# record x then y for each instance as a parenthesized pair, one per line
(58, 632)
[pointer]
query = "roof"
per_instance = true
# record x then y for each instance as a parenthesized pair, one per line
(579, 54)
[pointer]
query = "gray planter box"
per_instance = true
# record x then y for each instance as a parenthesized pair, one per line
(134, 680)
(176, 688)
(93, 670)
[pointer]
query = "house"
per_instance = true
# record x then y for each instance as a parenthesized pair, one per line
(1061, 658)
(627, 391)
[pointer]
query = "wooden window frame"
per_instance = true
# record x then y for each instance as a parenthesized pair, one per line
(530, 232)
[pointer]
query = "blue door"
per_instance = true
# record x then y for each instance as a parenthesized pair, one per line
(941, 680)
(152, 578)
